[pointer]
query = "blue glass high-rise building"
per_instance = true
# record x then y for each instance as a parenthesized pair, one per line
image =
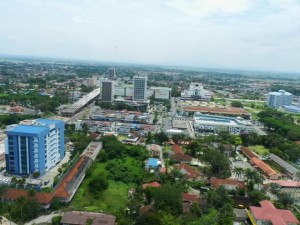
(34, 146)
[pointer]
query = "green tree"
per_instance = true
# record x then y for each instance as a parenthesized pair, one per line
(89, 221)
(219, 164)
(238, 171)
(256, 196)
(56, 220)
(210, 218)
(237, 104)
(168, 198)
(169, 219)
(237, 140)
(98, 184)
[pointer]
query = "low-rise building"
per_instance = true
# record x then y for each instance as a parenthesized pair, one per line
(268, 214)
(266, 169)
(289, 187)
(153, 184)
(153, 164)
(181, 158)
(188, 172)
(83, 218)
(290, 170)
(154, 149)
(209, 123)
(229, 184)
(188, 200)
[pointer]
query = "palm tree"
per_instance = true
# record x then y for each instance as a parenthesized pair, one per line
(238, 171)
(252, 177)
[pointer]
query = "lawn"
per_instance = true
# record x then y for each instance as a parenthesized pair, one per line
(122, 137)
(259, 149)
(111, 200)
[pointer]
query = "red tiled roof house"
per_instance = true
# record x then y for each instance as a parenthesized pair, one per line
(268, 214)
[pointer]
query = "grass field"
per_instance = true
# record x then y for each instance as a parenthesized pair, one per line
(259, 149)
(122, 137)
(111, 200)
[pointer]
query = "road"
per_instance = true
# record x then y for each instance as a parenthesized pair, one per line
(190, 128)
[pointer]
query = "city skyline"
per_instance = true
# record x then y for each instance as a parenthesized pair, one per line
(229, 34)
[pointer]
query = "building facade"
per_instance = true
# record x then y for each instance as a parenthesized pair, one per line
(139, 88)
(279, 98)
(111, 72)
(160, 92)
(34, 146)
(215, 124)
(107, 91)
(196, 92)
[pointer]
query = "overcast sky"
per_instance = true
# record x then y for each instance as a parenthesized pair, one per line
(236, 34)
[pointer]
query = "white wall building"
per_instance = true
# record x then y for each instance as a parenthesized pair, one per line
(196, 92)
(160, 92)
(209, 123)
(279, 98)
(123, 90)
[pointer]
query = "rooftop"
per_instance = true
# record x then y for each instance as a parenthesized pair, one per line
(188, 171)
(287, 183)
(217, 120)
(264, 167)
(268, 212)
(152, 184)
(28, 129)
(177, 149)
(80, 218)
(288, 167)
(152, 162)
(227, 110)
(215, 182)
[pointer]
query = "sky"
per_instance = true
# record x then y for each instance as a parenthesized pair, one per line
(233, 34)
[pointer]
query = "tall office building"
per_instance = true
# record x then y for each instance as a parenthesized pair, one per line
(111, 72)
(278, 99)
(34, 146)
(139, 88)
(107, 91)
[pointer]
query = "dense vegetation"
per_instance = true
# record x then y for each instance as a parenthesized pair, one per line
(282, 134)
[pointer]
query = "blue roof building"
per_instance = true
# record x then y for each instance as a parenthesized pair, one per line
(34, 146)
(152, 163)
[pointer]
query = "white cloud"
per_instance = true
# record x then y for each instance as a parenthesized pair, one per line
(227, 33)
(208, 7)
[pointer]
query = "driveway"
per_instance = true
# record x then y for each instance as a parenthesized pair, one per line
(43, 219)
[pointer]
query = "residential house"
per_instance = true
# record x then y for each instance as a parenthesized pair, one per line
(181, 158)
(153, 164)
(189, 173)
(83, 218)
(229, 184)
(268, 214)
(176, 149)
(155, 150)
(153, 184)
(188, 200)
